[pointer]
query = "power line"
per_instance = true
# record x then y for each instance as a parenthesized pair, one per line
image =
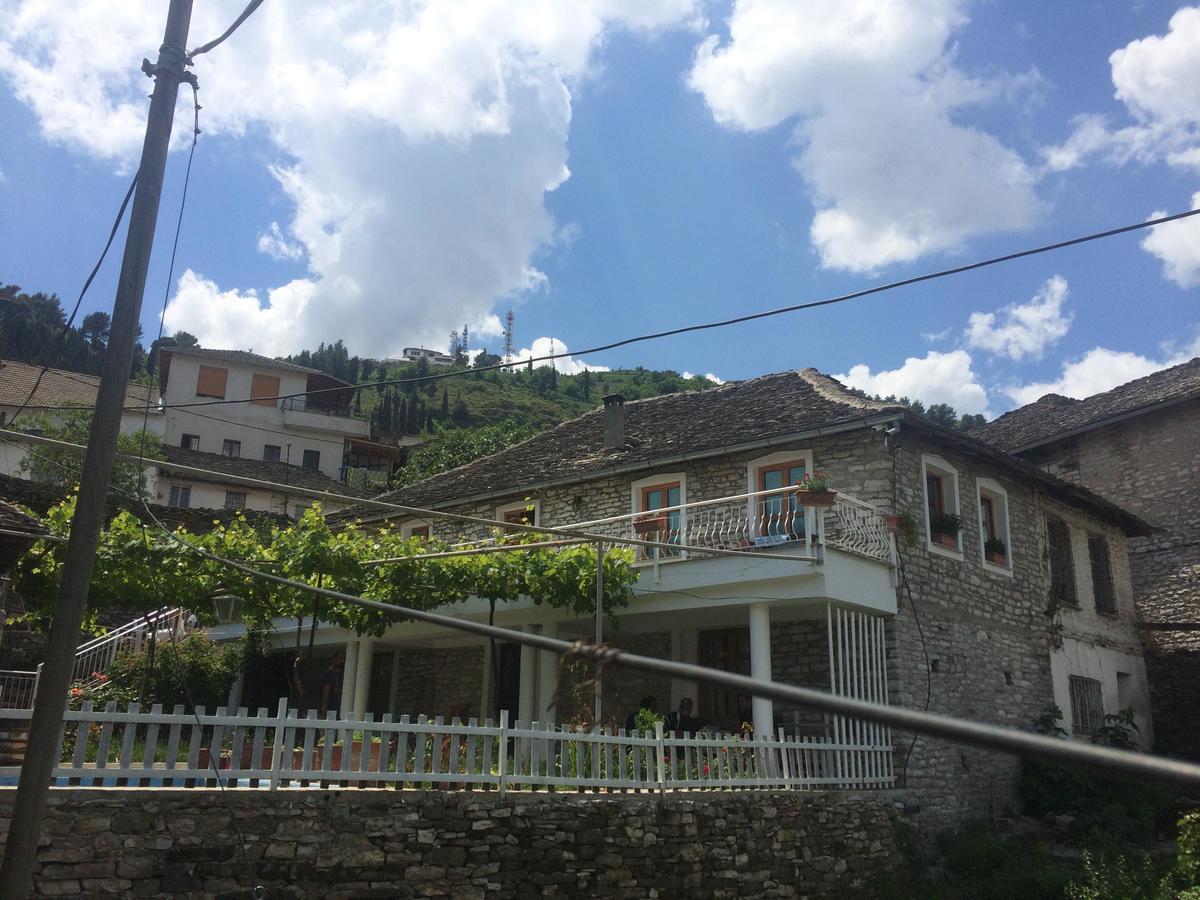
(986, 736)
(723, 323)
(79, 300)
(246, 13)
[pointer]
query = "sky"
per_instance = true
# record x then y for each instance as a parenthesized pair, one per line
(384, 172)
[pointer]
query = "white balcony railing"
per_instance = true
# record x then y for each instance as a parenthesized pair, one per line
(754, 522)
(96, 655)
(18, 689)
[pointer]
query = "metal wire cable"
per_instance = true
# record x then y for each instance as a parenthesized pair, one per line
(723, 323)
(246, 13)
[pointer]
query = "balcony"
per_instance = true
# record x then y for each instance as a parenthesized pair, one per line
(299, 412)
(754, 523)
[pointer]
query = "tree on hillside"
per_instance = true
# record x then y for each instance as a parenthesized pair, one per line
(458, 447)
(64, 467)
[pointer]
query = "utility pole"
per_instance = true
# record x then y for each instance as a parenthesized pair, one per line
(47, 722)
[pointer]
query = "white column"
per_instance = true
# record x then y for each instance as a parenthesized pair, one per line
(394, 687)
(485, 687)
(547, 677)
(362, 676)
(235, 693)
(760, 665)
(526, 698)
(349, 671)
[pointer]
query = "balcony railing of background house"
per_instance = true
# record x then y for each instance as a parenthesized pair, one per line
(303, 404)
(156, 749)
(755, 521)
(18, 689)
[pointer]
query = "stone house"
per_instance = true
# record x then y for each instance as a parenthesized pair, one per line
(963, 612)
(1136, 445)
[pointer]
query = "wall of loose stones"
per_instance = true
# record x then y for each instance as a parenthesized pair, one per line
(444, 681)
(161, 843)
(1149, 465)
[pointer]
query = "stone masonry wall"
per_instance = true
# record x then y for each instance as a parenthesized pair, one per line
(442, 682)
(167, 843)
(1149, 465)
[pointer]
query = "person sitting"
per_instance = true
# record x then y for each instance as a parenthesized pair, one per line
(647, 703)
(681, 721)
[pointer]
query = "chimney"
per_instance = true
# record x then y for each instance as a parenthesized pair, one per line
(614, 422)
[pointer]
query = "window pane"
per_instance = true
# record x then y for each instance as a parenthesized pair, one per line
(1102, 582)
(312, 459)
(1062, 564)
(1087, 705)
(271, 453)
(772, 479)
(232, 449)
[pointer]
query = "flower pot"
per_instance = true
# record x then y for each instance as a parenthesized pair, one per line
(946, 540)
(816, 498)
(996, 559)
(893, 523)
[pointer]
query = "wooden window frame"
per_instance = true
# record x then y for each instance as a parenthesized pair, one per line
(178, 492)
(527, 511)
(207, 378)
(186, 442)
(1063, 587)
(994, 521)
(943, 496)
(261, 395)
(640, 490)
(1104, 592)
(1087, 705)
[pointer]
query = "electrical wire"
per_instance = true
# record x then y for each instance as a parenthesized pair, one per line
(722, 323)
(79, 300)
(246, 13)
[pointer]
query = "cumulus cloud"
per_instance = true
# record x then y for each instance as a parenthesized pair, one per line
(563, 361)
(1099, 370)
(1025, 329)
(709, 375)
(273, 243)
(933, 378)
(874, 91)
(1177, 244)
(415, 141)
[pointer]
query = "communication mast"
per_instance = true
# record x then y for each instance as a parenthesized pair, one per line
(508, 337)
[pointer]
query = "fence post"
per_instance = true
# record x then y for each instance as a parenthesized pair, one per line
(37, 679)
(660, 750)
(277, 752)
(503, 752)
(787, 765)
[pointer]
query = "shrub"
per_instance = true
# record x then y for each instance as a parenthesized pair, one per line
(193, 662)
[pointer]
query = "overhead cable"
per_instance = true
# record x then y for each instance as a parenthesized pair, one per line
(246, 13)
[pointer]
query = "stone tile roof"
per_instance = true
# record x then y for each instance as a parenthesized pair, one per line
(61, 388)
(14, 518)
(294, 476)
(666, 430)
(245, 358)
(1054, 416)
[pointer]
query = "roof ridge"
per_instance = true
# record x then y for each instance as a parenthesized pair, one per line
(836, 392)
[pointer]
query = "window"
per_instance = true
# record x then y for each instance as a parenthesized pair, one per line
(664, 527)
(416, 529)
(181, 496)
(211, 382)
(1062, 563)
(1087, 705)
(1102, 580)
(993, 526)
(525, 512)
(271, 453)
(190, 442)
(312, 459)
(232, 449)
(264, 389)
(3, 417)
(943, 524)
(235, 499)
(780, 515)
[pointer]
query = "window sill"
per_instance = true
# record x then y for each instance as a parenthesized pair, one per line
(941, 550)
(997, 570)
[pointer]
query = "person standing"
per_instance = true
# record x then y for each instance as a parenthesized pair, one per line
(331, 686)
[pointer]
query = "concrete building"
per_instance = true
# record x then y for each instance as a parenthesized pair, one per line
(1137, 446)
(965, 612)
(291, 415)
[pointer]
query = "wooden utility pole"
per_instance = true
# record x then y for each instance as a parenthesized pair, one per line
(47, 722)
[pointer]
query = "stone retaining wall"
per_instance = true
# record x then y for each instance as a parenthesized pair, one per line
(459, 844)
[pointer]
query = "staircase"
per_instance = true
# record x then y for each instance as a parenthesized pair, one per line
(94, 657)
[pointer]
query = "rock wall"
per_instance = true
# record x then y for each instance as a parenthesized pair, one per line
(160, 843)
(443, 682)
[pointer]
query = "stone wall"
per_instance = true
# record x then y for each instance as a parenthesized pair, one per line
(1149, 465)
(161, 843)
(442, 682)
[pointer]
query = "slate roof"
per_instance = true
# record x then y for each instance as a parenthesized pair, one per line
(294, 476)
(245, 358)
(1054, 417)
(16, 519)
(687, 425)
(59, 387)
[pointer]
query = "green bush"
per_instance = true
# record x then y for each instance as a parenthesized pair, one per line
(192, 663)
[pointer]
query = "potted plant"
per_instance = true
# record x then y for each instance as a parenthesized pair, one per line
(995, 551)
(814, 490)
(945, 530)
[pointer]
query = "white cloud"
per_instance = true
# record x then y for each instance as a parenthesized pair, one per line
(563, 362)
(709, 375)
(933, 378)
(1177, 244)
(1156, 77)
(273, 243)
(875, 92)
(1098, 370)
(1025, 329)
(416, 142)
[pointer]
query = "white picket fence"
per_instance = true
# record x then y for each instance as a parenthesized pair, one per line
(107, 748)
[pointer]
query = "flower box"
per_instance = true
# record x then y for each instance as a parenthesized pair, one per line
(996, 558)
(824, 498)
(946, 540)
(893, 523)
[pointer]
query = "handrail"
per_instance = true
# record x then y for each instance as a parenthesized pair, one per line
(686, 506)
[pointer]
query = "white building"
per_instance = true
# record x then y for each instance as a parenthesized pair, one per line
(59, 388)
(309, 427)
(433, 357)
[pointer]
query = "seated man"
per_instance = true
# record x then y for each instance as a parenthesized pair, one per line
(681, 721)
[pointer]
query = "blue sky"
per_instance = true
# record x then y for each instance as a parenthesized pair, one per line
(383, 173)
